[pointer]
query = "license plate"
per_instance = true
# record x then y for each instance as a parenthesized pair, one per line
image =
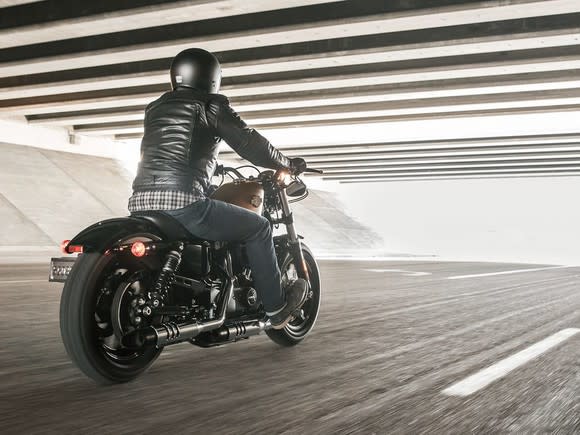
(60, 268)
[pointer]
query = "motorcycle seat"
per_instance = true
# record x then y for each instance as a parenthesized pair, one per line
(170, 227)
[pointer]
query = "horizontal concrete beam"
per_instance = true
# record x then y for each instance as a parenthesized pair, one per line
(10, 3)
(135, 127)
(342, 71)
(347, 150)
(469, 102)
(482, 152)
(559, 31)
(434, 86)
(474, 155)
(127, 136)
(364, 111)
(321, 62)
(276, 58)
(450, 158)
(31, 108)
(434, 172)
(388, 168)
(569, 174)
(111, 131)
(98, 116)
(347, 96)
(56, 21)
(363, 119)
(399, 85)
(511, 161)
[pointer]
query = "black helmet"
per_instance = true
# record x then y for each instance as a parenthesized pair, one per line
(196, 68)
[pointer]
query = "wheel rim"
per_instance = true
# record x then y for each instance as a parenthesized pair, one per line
(121, 284)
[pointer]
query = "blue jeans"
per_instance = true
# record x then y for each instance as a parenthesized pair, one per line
(219, 221)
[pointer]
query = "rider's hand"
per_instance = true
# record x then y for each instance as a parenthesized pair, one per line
(298, 165)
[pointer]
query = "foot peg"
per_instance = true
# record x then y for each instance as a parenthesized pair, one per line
(296, 314)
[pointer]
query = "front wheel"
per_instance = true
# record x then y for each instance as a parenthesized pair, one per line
(298, 328)
(96, 308)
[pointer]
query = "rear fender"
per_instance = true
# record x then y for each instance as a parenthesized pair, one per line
(102, 235)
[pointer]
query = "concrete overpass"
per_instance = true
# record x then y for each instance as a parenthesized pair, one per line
(92, 68)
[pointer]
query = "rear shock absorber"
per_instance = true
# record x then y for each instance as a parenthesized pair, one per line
(167, 275)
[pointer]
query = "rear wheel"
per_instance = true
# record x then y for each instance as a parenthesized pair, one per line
(98, 305)
(298, 328)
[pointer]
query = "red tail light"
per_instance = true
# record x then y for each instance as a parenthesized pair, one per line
(138, 249)
(64, 246)
(67, 248)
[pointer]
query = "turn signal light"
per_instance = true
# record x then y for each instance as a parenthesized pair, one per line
(64, 246)
(284, 178)
(67, 248)
(138, 249)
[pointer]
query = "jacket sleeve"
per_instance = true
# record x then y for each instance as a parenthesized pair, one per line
(244, 140)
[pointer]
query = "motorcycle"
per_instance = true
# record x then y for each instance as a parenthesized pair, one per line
(143, 282)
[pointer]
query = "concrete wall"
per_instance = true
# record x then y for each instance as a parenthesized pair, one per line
(323, 221)
(48, 196)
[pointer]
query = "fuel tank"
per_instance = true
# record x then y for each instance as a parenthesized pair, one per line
(246, 194)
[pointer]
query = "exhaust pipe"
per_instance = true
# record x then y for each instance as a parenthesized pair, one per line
(171, 332)
(240, 330)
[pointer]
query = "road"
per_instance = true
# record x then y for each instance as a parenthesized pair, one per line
(400, 347)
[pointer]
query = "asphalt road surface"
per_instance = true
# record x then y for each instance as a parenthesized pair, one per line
(399, 347)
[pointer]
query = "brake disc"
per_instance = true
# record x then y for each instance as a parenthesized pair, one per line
(130, 295)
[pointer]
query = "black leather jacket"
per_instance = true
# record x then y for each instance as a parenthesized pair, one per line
(180, 146)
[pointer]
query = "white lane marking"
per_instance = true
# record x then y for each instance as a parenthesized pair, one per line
(500, 369)
(401, 271)
(506, 272)
(20, 281)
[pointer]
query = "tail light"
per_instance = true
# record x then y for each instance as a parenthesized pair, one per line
(138, 249)
(67, 248)
(64, 246)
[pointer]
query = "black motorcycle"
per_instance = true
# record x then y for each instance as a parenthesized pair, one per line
(142, 282)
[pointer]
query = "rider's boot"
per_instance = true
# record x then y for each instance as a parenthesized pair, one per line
(296, 293)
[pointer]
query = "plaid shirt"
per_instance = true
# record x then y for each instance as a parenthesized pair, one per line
(161, 200)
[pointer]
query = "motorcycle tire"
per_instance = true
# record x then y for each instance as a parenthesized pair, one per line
(80, 335)
(298, 329)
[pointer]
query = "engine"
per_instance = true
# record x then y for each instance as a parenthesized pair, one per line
(244, 302)
(203, 296)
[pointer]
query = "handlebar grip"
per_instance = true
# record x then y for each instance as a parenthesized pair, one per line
(314, 171)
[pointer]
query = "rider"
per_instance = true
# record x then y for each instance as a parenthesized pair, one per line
(178, 157)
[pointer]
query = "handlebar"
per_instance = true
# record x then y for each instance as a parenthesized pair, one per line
(220, 170)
